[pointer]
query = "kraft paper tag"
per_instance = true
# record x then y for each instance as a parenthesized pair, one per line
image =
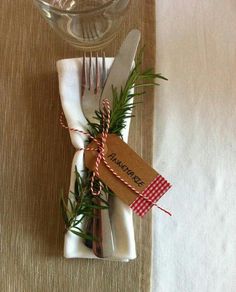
(132, 169)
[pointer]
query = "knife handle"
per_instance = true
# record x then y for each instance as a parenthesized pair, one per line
(97, 231)
(103, 245)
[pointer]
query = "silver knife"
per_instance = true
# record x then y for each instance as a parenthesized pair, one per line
(118, 75)
(122, 65)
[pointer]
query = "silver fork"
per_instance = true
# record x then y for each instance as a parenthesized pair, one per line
(94, 75)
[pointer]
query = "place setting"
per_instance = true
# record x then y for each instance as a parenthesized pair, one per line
(109, 182)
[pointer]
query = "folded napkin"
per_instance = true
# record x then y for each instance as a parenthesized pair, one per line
(69, 72)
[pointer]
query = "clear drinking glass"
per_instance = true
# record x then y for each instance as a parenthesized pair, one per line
(87, 24)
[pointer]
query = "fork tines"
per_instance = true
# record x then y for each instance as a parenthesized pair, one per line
(94, 72)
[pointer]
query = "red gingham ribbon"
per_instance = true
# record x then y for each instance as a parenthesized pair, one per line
(156, 189)
(145, 200)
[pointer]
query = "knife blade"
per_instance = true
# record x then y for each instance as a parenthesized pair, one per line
(122, 65)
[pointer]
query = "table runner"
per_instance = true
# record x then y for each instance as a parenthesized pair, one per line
(36, 155)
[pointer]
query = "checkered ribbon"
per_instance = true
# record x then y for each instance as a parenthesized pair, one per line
(156, 189)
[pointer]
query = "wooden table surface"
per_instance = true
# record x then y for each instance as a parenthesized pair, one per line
(36, 156)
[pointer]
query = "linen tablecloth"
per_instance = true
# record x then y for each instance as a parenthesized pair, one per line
(195, 147)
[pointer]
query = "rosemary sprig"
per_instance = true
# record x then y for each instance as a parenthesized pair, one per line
(122, 101)
(81, 203)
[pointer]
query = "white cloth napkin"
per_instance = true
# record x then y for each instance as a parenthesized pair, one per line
(69, 72)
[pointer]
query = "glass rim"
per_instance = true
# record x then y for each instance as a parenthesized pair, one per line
(100, 7)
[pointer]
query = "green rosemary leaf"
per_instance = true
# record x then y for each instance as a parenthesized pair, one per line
(71, 205)
(105, 202)
(64, 204)
(95, 206)
(82, 234)
(64, 213)
(146, 85)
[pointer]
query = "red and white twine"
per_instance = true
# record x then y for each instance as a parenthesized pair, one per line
(101, 157)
